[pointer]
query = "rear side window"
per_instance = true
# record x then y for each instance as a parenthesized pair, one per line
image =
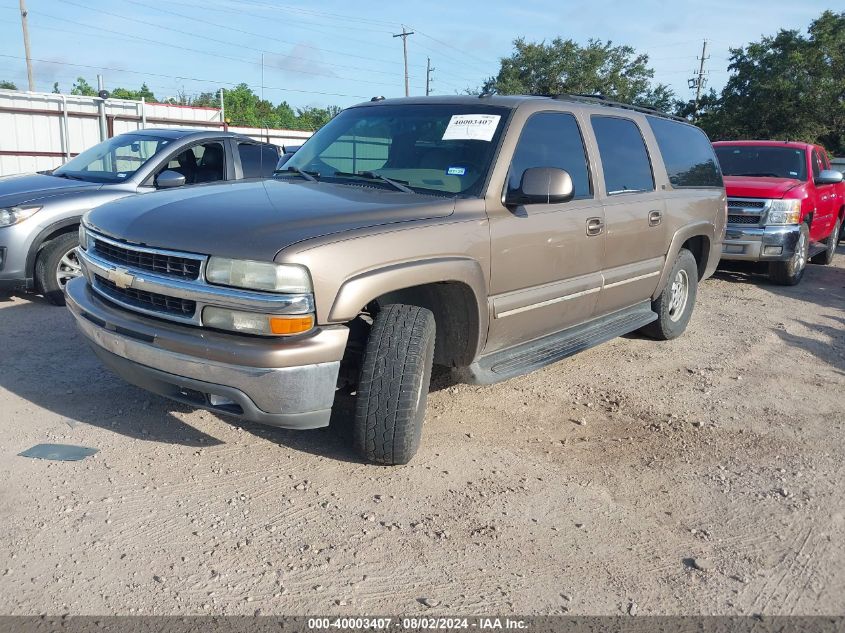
(687, 153)
(552, 139)
(817, 164)
(624, 157)
(258, 161)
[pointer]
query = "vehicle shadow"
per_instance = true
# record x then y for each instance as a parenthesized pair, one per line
(45, 361)
(830, 351)
(822, 286)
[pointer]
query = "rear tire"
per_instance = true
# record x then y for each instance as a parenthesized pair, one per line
(675, 304)
(393, 384)
(826, 257)
(56, 265)
(790, 272)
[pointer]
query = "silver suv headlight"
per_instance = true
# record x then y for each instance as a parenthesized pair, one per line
(13, 215)
(251, 275)
(784, 212)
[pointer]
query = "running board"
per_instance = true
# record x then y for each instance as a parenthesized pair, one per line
(527, 357)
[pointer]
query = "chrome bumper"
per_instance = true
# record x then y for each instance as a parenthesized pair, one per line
(770, 243)
(287, 384)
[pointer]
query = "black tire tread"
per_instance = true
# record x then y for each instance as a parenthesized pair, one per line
(783, 273)
(46, 264)
(664, 329)
(825, 258)
(399, 353)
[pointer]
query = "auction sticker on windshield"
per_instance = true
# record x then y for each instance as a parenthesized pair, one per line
(475, 127)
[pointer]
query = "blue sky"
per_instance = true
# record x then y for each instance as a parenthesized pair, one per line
(336, 52)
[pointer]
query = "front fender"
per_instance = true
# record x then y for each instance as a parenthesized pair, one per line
(360, 290)
(697, 229)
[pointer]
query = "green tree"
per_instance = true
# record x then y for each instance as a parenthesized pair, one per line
(135, 95)
(8, 85)
(83, 88)
(787, 86)
(564, 66)
(56, 90)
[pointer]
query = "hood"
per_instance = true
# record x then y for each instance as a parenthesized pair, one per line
(32, 187)
(759, 187)
(255, 220)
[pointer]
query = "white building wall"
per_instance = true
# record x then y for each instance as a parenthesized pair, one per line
(36, 135)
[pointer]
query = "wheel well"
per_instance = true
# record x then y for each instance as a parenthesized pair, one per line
(699, 246)
(455, 313)
(39, 243)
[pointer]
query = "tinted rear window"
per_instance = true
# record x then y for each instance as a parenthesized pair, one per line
(687, 153)
(624, 158)
(258, 161)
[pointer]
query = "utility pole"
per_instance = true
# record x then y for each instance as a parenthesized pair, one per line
(26, 46)
(428, 71)
(404, 35)
(699, 81)
(223, 111)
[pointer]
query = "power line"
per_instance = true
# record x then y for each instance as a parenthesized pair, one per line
(183, 77)
(209, 53)
(194, 18)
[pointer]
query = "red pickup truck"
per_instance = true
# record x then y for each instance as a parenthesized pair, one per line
(785, 205)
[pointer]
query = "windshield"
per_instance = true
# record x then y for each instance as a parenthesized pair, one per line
(763, 161)
(438, 149)
(114, 160)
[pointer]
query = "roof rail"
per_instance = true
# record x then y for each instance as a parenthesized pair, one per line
(598, 99)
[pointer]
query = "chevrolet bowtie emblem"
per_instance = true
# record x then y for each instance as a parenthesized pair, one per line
(121, 278)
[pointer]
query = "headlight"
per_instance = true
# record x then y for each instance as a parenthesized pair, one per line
(13, 215)
(240, 273)
(83, 237)
(784, 212)
(255, 322)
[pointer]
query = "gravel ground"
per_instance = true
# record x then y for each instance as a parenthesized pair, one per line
(700, 476)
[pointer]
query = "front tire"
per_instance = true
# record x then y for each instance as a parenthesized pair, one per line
(826, 256)
(675, 304)
(57, 264)
(393, 384)
(790, 272)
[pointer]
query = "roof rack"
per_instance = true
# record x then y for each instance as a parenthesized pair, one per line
(602, 100)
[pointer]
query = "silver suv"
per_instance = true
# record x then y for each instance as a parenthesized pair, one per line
(40, 213)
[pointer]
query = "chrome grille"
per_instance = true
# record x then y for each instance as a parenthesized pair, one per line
(746, 203)
(743, 219)
(746, 211)
(184, 308)
(183, 267)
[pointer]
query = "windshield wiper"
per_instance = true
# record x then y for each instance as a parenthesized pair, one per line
(371, 175)
(68, 176)
(308, 175)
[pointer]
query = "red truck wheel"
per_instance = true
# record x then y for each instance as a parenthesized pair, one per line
(826, 256)
(790, 272)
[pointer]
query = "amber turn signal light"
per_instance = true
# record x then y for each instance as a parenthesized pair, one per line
(290, 324)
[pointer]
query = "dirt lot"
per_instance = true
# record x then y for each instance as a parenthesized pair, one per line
(701, 476)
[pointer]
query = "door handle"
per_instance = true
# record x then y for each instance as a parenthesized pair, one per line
(654, 218)
(595, 226)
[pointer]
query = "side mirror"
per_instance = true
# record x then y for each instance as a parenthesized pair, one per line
(828, 177)
(542, 185)
(168, 179)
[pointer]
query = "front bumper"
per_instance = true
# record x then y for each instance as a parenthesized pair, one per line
(289, 384)
(769, 244)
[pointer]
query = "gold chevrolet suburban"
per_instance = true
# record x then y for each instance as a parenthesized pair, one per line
(494, 235)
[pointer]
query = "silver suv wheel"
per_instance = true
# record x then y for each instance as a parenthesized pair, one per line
(679, 295)
(68, 268)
